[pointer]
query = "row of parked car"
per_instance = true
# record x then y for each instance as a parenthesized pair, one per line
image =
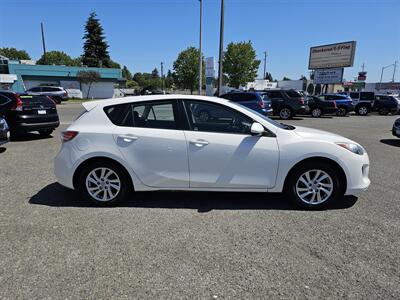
(288, 103)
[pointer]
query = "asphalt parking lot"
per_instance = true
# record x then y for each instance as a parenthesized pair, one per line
(198, 245)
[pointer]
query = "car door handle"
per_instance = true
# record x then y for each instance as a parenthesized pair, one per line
(199, 143)
(128, 138)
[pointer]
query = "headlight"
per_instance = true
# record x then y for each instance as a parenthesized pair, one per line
(357, 149)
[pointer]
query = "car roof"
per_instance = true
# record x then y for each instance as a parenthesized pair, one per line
(113, 101)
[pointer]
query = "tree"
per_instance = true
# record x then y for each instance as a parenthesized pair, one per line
(169, 80)
(147, 81)
(95, 47)
(268, 76)
(240, 63)
(88, 77)
(13, 53)
(113, 64)
(132, 84)
(286, 78)
(57, 58)
(126, 73)
(155, 73)
(186, 69)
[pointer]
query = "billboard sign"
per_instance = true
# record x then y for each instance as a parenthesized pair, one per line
(328, 76)
(338, 55)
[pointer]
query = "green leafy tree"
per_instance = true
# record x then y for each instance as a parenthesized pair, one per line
(146, 81)
(240, 63)
(169, 80)
(95, 47)
(186, 69)
(13, 53)
(57, 58)
(88, 77)
(286, 78)
(114, 64)
(132, 84)
(126, 73)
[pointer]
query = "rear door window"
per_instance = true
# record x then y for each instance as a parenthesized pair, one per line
(161, 115)
(35, 89)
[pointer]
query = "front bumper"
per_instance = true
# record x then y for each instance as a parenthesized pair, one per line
(357, 174)
(396, 131)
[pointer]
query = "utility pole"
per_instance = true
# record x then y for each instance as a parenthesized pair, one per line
(221, 50)
(362, 67)
(394, 69)
(162, 77)
(385, 67)
(44, 45)
(265, 63)
(200, 48)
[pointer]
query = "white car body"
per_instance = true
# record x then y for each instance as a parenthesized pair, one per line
(165, 159)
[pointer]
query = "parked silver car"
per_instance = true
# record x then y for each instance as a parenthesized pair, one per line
(57, 93)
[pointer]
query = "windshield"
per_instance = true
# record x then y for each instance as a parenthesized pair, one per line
(272, 122)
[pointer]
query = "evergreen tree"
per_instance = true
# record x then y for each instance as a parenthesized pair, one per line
(95, 47)
(155, 73)
(126, 73)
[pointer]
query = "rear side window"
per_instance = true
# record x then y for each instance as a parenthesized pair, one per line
(35, 89)
(354, 95)
(161, 115)
(381, 97)
(367, 96)
(338, 97)
(293, 94)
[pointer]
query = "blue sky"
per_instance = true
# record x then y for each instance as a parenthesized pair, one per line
(142, 33)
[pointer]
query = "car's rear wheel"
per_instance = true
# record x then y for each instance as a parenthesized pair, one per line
(341, 112)
(285, 113)
(383, 111)
(104, 183)
(362, 110)
(313, 186)
(316, 112)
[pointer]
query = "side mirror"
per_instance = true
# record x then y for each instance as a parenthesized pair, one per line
(257, 129)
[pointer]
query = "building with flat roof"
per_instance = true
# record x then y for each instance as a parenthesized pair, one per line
(20, 76)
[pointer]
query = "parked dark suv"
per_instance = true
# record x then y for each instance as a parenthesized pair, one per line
(287, 103)
(362, 101)
(27, 113)
(385, 104)
(252, 100)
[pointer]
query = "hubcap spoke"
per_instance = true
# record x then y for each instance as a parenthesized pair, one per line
(103, 184)
(314, 186)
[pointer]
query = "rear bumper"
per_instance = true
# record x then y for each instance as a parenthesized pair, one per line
(35, 126)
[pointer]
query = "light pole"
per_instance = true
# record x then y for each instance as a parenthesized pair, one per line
(200, 46)
(265, 63)
(162, 77)
(44, 44)
(394, 70)
(221, 49)
(383, 68)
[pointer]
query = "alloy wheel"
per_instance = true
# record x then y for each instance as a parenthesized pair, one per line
(362, 111)
(314, 187)
(285, 113)
(103, 184)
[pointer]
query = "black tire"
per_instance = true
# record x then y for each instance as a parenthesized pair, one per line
(46, 132)
(126, 187)
(294, 176)
(341, 112)
(383, 111)
(285, 113)
(362, 110)
(316, 112)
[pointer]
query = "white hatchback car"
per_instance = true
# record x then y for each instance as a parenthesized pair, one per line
(161, 142)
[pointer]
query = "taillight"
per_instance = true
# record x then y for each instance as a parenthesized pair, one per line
(68, 135)
(301, 101)
(334, 104)
(18, 104)
(261, 104)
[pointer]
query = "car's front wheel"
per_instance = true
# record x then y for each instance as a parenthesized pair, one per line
(104, 183)
(316, 112)
(362, 110)
(313, 186)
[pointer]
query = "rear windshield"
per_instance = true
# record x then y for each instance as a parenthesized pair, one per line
(36, 100)
(293, 94)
